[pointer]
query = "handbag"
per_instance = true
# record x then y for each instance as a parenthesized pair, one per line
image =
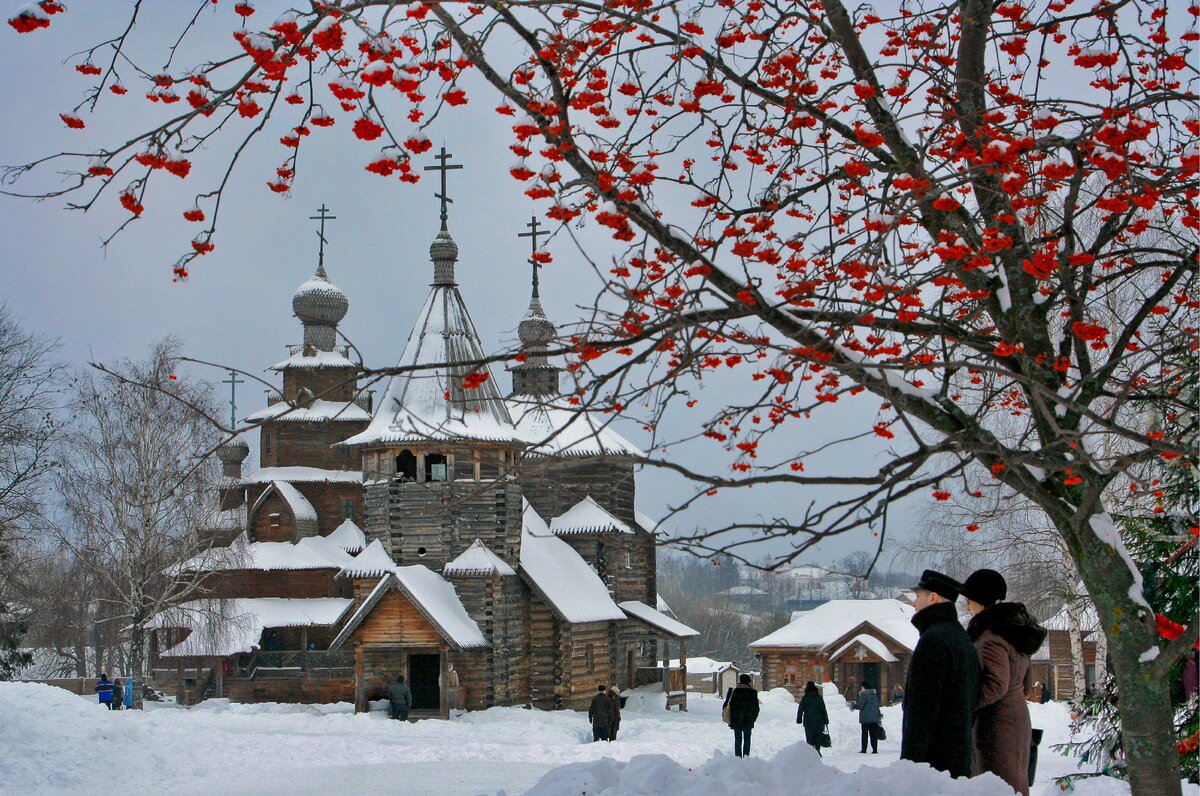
(825, 741)
(725, 717)
(881, 734)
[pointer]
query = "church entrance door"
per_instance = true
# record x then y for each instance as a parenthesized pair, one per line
(423, 671)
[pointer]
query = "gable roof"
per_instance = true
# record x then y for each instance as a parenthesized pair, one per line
(871, 643)
(657, 619)
(478, 560)
(229, 627)
(372, 562)
(560, 576)
(432, 595)
(348, 537)
(302, 511)
(587, 516)
(828, 622)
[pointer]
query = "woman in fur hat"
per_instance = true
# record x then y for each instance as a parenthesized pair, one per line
(1005, 635)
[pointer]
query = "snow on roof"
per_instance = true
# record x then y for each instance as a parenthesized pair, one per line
(661, 605)
(372, 562)
(657, 619)
(570, 587)
(319, 411)
(1088, 619)
(871, 643)
(348, 537)
(432, 595)
(228, 520)
(806, 572)
(430, 401)
(556, 429)
(317, 359)
(301, 475)
(648, 525)
(742, 591)
(313, 552)
(299, 505)
(828, 622)
(702, 665)
(229, 627)
(478, 560)
(587, 516)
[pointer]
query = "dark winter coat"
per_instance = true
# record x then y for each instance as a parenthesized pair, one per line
(940, 694)
(601, 712)
(400, 695)
(813, 715)
(1005, 636)
(104, 687)
(867, 706)
(743, 707)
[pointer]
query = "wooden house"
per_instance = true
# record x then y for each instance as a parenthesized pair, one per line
(501, 560)
(842, 641)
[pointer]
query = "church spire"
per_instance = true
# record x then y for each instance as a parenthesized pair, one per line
(318, 303)
(443, 251)
(535, 376)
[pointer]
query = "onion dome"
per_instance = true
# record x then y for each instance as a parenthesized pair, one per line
(319, 301)
(233, 452)
(535, 329)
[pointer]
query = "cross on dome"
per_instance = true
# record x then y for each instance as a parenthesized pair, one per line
(533, 234)
(443, 165)
(322, 217)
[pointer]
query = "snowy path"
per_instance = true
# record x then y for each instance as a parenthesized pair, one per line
(54, 742)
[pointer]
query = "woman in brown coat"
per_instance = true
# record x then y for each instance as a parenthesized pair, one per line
(1005, 636)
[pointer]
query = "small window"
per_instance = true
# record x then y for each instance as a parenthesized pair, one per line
(590, 657)
(274, 520)
(435, 467)
(266, 442)
(406, 466)
(421, 551)
(789, 678)
(628, 559)
(348, 509)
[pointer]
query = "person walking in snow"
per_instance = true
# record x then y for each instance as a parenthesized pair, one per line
(743, 712)
(943, 682)
(400, 698)
(601, 714)
(614, 694)
(1005, 635)
(128, 700)
(867, 705)
(897, 694)
(118, 700)
(813, 715)
(104, 687)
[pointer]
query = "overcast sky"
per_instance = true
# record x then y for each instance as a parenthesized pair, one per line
(236, 308)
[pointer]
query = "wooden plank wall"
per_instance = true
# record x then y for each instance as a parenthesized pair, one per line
(553, 485)
(395, 621)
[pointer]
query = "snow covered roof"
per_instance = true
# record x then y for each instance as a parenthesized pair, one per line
(432, 595)
(372, 562)
(587, 516)
(312, 552)
(1088, 619)
(228, 520)
(316, 359)
(430, 402)
(828, 622)
(806, 572)
(648, 525)
(556, 429)
(871, 643)
(319, 411)
(657, 619)
(478, 560)
(301, 509)
(229, 627)
(661, 605)
(301, 475)
(569, 586)
(348, 537)
(742, 591)
(703, 665)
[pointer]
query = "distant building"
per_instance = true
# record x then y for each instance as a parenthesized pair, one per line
(840, 641)
(1053, 665)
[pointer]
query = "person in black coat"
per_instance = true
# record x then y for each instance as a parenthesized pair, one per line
(743, 712)
(869, 717)
(601, 714)
(943, 682)
(813, 715)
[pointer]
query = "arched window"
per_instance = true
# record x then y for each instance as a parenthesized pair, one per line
(406, 466)
(435, 467)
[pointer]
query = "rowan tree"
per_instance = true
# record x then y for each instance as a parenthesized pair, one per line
(830, 204)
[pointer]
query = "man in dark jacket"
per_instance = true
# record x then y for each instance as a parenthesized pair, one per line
(601, 714)
(743, 712)
(104, 688)
(943, 682)
(869, 717)
(400, 697)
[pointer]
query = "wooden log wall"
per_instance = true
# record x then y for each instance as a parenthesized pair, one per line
(288, 443)
(328, 384)
(276, 583)
(552, 485)
(273, 522)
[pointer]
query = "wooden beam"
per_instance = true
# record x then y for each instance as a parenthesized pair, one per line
(359, 701)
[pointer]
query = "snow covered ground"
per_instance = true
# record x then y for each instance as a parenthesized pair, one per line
(54, 742)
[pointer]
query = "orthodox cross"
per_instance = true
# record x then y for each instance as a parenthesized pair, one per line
(443, 165)
(533, 234)
(233, 381)
(323, 210)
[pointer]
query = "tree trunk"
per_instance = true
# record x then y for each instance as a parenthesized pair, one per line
(1147, 725)
(137, 661)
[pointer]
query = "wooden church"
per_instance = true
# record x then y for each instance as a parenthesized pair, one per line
(485, 546)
